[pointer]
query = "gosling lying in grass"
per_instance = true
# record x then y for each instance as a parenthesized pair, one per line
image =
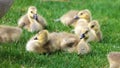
(52, 42)
(114, 59)
(83, 14)
(68, 17)
(72, 16)
(80, 47)
(45, 42)
(36, 43)
(9, 33)
(94, 25)
(83, 46)
(85, 29)
(32, 21)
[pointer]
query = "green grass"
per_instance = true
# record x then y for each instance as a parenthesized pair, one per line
(14, 55)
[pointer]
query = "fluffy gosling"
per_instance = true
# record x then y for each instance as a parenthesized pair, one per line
(83, 14)
(94, 24)
(32, 21)
(53, 42)
(83, 47)
(37, 42)
(9, 33)
(91, 36)
(68, 17)
(72, 16)
(114, 59)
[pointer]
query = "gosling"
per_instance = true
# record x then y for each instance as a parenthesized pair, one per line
(83, 14)
(114, 59)
(9, 33)
(91, 36)
(51, 42)
(94, 25)
(83, 46)
(72, 16)
(32, 21)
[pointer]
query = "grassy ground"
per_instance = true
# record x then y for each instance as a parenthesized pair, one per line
(13, 55)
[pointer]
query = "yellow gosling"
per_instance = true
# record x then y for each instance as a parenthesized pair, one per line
(94, 25)
(32, 21)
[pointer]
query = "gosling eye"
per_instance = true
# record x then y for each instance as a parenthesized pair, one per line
(92, 26)
(35, 38)
(31, 11)
(81, 13)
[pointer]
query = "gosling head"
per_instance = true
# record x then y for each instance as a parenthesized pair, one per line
(94, 25)
(84, 33)
(42, 36)
(32, 12)
(83, 47)
(84, 14)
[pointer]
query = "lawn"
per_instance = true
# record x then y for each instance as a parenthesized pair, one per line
(14, 55)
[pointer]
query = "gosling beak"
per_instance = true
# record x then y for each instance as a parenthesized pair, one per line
(35, 38)
(76, 17)
(82, 36)
(35, 16)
